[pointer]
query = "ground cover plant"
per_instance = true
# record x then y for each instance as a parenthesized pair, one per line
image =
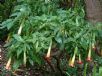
(52, 39)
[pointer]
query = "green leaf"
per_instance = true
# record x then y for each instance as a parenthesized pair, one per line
(19, 52)
(7, 24)
(18, 38)
(58, 39)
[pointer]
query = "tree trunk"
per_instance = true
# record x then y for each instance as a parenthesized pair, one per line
(94, 10)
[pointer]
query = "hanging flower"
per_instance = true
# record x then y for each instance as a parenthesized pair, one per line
(48, 55)
(8, 64)
(20, 30)
(89, 55)
(72, 61)
(80, 61)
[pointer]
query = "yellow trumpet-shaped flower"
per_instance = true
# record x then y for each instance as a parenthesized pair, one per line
(72, 61)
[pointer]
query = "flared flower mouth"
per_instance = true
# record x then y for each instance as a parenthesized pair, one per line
(47, 58)
(71, 65)
(48, 55)
(89, 59)
(80, 62)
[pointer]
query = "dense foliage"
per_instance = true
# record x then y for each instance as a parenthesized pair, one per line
(37, 25)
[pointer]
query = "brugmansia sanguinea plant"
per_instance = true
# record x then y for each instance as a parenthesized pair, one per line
(41, 25)
(72, 61)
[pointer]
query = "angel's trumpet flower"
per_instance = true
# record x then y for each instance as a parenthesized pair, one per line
(8, 64)
(72, 61)
(89, 55)
(48, 55)
(80, 61)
